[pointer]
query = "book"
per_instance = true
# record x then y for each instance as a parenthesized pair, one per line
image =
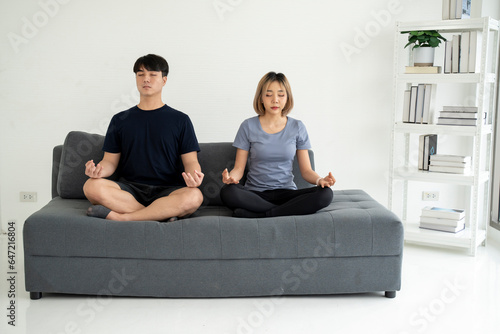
(465, 12)
(453, 9)
(446, 9)
(475, 51)
(446, 213)
(427, 104)
(413, 104)
(452, 158)
(442, 221)
(427, 148)
(450, 163)
(458, 114)
(455, 58)
(464, 52)
(422, 69)
(406, 106)
(419, 111)
(447, 169)
(458, 9)
(442, 228)
(457, 121)
(460, 108)
(448, 53)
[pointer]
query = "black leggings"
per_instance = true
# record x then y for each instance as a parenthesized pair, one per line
(273, 203)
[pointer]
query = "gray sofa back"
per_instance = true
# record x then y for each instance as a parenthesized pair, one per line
(79, 147)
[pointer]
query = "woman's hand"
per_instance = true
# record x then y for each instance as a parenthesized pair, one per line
(227, 179)
(326, 181)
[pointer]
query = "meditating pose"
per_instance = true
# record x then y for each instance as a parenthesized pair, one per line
(270, 142)
(155, 151)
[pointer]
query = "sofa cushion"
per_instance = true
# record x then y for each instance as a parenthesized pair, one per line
(79, 147)
(353, 225)
(213, 159)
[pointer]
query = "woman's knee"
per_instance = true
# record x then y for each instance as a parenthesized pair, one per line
(325, 196)
(228, 193)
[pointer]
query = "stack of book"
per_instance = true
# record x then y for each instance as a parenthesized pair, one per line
(462, 53)
(459, 116)
(427, 148)
(456, 9)
(455, 164)
(442, 219)
(417, 102)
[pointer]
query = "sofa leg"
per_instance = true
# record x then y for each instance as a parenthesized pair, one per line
(35, 295)
(390, 294)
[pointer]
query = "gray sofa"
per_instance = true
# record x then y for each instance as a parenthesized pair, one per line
(355, 245)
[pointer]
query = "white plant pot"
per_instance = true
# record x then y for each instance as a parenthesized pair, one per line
(423, 56)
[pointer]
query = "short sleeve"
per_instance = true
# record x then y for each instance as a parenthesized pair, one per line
(189, 142)
(242, 139)
(303, 142)
(112, 141)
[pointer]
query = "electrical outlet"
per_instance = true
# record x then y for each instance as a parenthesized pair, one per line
(26, 196)
(430, 195)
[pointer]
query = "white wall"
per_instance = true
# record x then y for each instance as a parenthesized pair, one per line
(67, 65)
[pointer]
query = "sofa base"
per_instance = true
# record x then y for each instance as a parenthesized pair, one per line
(38, 295)
(212, 278)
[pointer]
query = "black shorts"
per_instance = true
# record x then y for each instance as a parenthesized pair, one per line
(145, 193)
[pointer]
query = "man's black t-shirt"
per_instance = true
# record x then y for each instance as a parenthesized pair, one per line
(151, 143)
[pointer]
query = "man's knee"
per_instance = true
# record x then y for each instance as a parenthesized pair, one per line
(93, 189)
(193, 199)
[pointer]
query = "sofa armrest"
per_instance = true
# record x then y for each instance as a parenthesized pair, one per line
(56, 161)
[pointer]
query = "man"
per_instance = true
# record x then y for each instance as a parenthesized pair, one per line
(154, 149)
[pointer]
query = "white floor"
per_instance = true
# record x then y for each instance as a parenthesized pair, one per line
(443, 291)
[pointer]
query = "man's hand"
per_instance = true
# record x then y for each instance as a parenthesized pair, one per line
(227, 179)
(193, 181)
(93, 171)
(327, 181)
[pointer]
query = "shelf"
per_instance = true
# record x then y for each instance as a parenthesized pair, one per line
(413, 174)
(463, 239)
(451, 130)
(477, 141)
(452, 78)
(450, 25)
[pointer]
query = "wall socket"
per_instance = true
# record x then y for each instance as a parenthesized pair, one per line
(26, 196)
(430, 195)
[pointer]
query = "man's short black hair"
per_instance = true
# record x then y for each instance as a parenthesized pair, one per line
(152, 63)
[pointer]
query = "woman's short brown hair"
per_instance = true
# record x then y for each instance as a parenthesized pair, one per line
(262, 87)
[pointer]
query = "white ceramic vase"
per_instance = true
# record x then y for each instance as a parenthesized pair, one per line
(423, 56)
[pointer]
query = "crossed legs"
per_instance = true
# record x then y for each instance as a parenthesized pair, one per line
(273, 203)
(123, 206)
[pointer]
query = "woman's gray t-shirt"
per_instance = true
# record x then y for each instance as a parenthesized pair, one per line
(271, 155)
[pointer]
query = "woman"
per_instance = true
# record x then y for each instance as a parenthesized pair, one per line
(269, 142)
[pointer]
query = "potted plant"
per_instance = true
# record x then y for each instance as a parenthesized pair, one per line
(424, 42)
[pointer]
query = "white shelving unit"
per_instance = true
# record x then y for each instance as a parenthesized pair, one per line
(476, 186)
